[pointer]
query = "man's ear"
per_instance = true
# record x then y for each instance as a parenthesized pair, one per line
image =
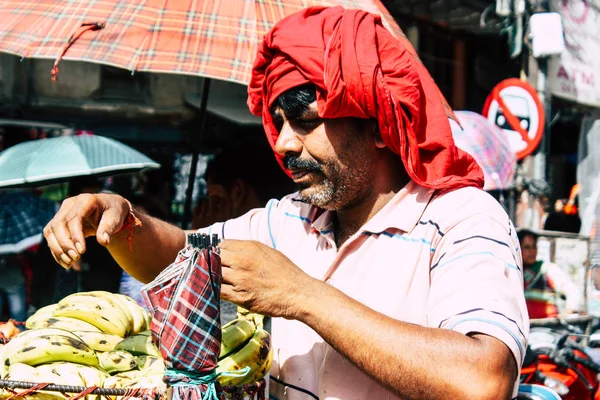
(373, 128)
(239, 191)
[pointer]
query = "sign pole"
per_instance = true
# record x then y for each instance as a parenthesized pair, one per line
(540, 169)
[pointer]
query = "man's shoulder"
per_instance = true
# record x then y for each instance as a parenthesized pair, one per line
(463, 203)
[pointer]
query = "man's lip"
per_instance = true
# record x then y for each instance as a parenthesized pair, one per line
(300, 173)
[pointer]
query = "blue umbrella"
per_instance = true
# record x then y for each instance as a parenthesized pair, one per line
(45, 161)
(23, 216)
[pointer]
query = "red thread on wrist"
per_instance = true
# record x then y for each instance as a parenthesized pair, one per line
(131, 222)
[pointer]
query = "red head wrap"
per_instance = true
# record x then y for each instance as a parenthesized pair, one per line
(361, 70)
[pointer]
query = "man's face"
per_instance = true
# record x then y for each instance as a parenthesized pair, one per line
(331, 160)
(529, 250)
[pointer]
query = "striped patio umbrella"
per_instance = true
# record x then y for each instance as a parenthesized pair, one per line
(489, 146)
(209, 38)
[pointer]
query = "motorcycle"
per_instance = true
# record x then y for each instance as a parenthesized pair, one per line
(557, 359)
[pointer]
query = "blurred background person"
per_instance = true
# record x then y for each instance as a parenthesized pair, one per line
(545, 283)
(239, 179)
(565, 217)
(12, 288)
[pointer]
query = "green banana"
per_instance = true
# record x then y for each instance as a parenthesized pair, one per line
(99, 310)
(253, 355)
(35, 349)
(150, 365)
(116, 361)
(234, 334)
(99, 341)
(70, 324)
(139, 345)
(138, 313)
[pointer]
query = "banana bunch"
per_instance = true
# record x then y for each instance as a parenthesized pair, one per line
(245, 343)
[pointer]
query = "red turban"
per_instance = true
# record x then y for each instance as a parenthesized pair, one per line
(361, 70)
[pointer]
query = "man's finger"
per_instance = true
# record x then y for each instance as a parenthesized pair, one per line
(227, 292)
(111, 222)
(75, 227)
(56, 250)
(228, 274)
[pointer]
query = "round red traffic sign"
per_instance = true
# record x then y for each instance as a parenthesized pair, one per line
(515, 107)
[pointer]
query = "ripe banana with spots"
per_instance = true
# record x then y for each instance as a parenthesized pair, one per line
(256, 374)
(234, 334)
(99, 341)
(98, 308)
(253, 355)
(139, 345)
(42, 313)
(41, 346)
(70, 324)
(116, 361)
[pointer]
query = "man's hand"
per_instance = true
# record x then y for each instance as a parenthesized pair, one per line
(82, 216)
(261, 279)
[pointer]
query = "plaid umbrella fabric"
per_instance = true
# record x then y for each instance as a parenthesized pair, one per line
(210, 38)
(488, 145)
(23, 216)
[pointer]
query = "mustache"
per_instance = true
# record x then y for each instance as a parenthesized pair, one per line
(294, 162)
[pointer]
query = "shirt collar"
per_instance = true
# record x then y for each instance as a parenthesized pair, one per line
(403, 211)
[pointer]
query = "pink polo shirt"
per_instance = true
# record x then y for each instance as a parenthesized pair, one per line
(448, 261)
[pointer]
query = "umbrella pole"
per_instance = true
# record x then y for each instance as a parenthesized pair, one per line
(201, 117)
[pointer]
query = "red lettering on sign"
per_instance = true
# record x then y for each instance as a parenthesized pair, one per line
(575, 75)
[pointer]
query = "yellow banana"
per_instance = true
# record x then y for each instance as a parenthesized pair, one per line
(115, 382)
(98, 310)
(99, 341)
(67, 372)
(70, 324)
(116, 361)
(234, 334)
(138, 314)
(3, 368)
(252, 355)
(124, 306)
(139, 345)
(42, 313)
(23, 372)
(48, 348)
(257, 374)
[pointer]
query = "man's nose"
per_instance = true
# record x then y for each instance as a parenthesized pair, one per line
(288, 141)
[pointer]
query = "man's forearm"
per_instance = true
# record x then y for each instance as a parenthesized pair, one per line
(413, 361)
(154, 246)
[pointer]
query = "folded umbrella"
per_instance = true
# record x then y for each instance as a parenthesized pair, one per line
(184, 303)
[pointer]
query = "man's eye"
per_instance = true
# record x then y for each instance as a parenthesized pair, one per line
(307, 124)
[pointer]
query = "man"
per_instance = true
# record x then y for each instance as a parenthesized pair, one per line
(390, 274)
(545, 283)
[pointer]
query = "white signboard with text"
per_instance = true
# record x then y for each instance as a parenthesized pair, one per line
(575, 73)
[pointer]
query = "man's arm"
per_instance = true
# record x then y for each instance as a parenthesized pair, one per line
(413, 361)
(154, 244)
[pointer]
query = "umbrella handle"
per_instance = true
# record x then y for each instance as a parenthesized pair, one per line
(84, 27)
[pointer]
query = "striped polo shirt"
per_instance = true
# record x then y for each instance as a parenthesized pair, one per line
(449, 261)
